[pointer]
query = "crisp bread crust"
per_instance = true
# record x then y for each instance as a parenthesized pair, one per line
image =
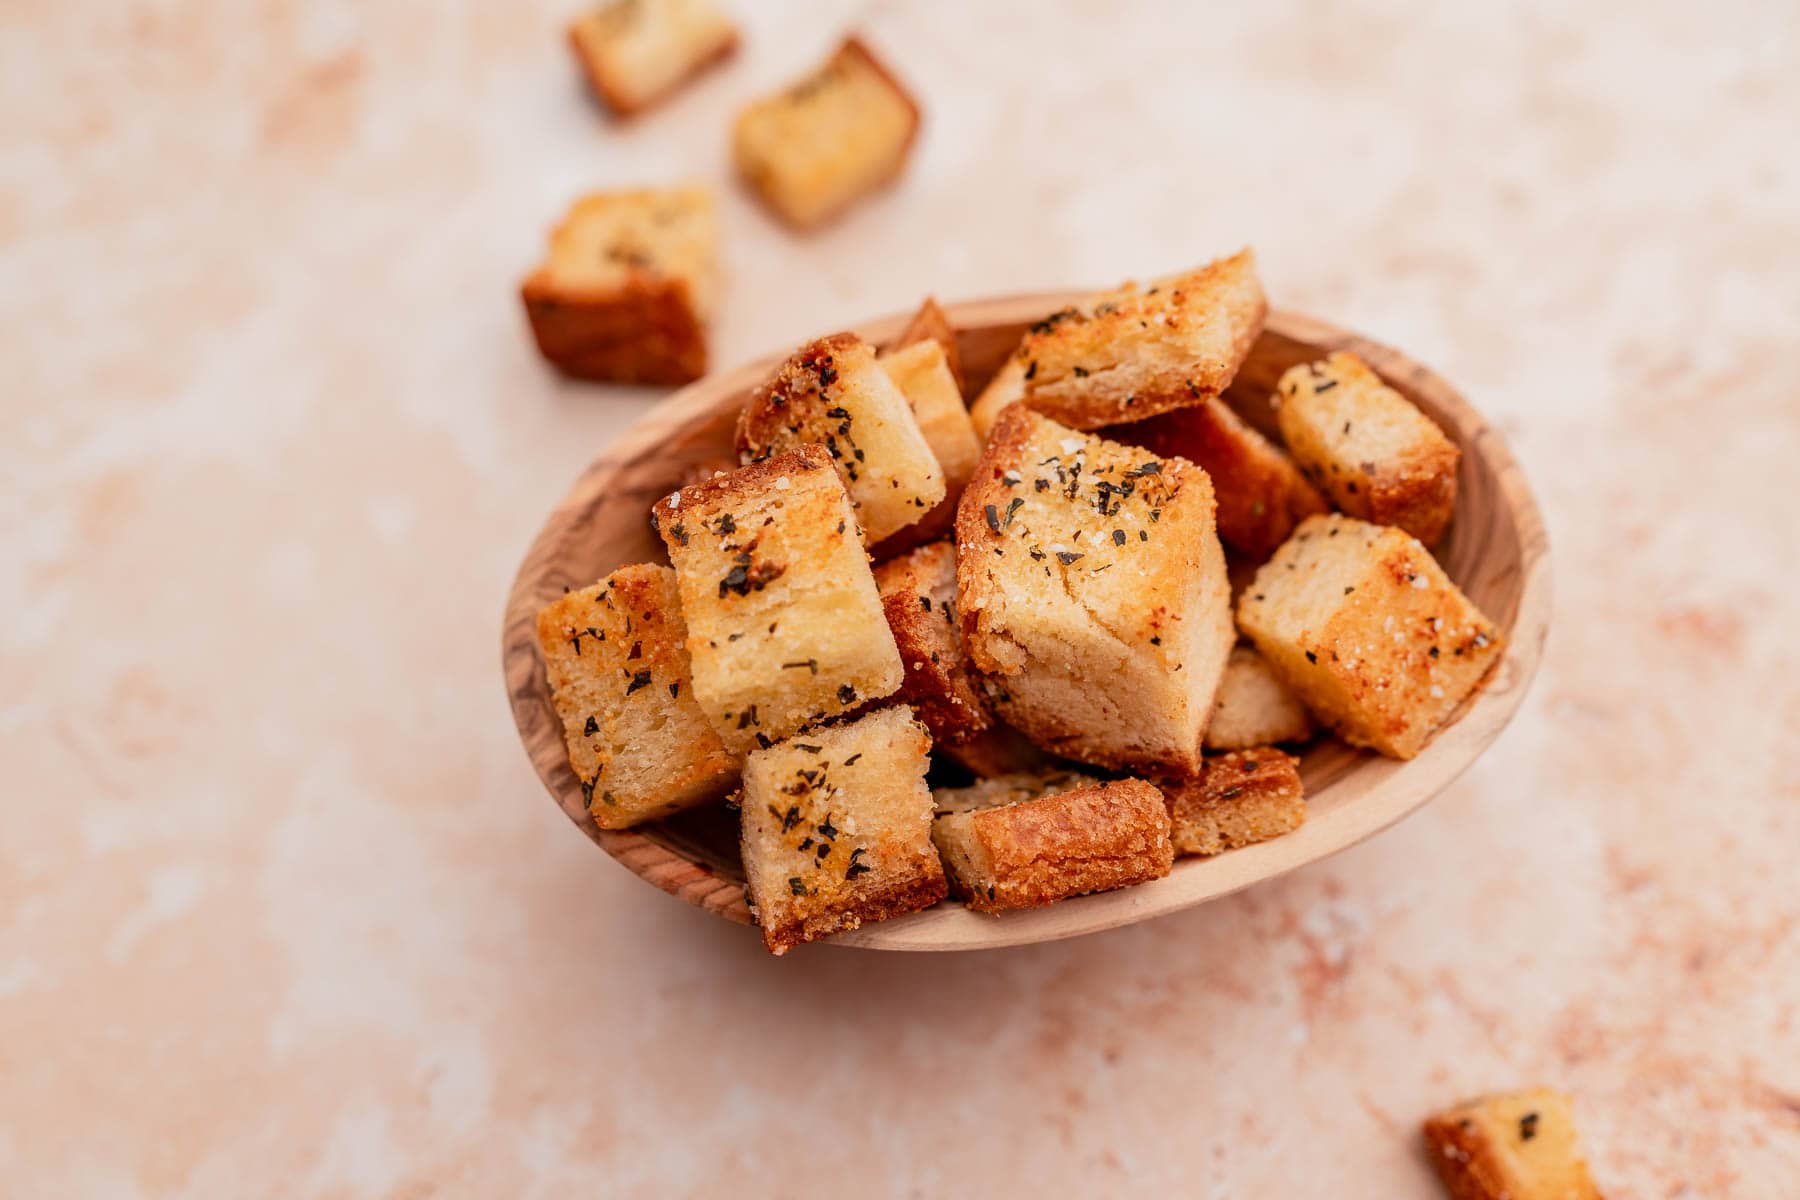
(932, 324)
(625, 101)
(1239, 799)
(910, 894)
(918, 593)
(1132, 353)
(1513, 1147)
(645, 331)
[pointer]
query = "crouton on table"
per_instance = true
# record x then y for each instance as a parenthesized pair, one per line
(635, 52)
(1520, 1146)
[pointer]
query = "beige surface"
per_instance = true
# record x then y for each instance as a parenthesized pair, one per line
(282, 907)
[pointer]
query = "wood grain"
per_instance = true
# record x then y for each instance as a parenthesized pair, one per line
(1495, 550)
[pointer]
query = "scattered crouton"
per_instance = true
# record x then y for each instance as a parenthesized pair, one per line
(784, 623)
(918, 594)
(833, 393)
(1131, 353)
(1005, 853)
(923, 376)
(932, 324)
(635, 52)
(1093, 594)
(1239, 799)
(837, 829)
(817, 147)
(1521, 1146)
(1262, 494)
(616, 658)
(628, 287)
(1365, 627)
(1376, 455)
(1254, 707)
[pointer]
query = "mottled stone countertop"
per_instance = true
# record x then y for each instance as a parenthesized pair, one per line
(283, 909)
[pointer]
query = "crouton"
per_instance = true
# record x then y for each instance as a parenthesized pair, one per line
(1262, 494)
(1131, 353)
(1365, 627)
(1254, 707)
(635, 52)
(1004, 853)
(837, 829)
(1093, 595)
(918, 594)
(932, 324)
(833, 392)
(784, 623)
(1514, 1147)
(997, 750)
(823, 143)
(1006, 388)
(1376, 455)
(1239, 799)
(616, 658)
(923, 377)
(628, 287)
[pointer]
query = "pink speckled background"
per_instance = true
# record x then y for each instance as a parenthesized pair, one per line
(283, 910)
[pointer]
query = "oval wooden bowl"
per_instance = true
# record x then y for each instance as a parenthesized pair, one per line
(1495, 550)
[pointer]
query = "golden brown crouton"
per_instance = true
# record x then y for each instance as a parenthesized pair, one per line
(1254, 707)
(837, 829)
(1514, 1147)
(1262, 494)
(918, 594)
(1361, 622)
(1005, 853)
(1239, 799)
(923, 376)
(1131, 353)
(833, 393)
(815, 148)
(628, 286)
(635, 52)
(784, 623)
(932, 324)
(997, 750)
(1093, 594)
(1004, 390)
(1377, 456)
(617, 661)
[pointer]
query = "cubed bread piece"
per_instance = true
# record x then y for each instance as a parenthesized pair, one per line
(1239, 799)
(918, 593)
(1365, 627)
(932, 324)
(616, 658)
(923, 377)
(815, 148)
(997, 750)
(1133, 352)
(837, 828)
(1254, 707)
(1005, 389)
(1514, 1147)
(1375, 454)
(635, 52)
(628, 286)
(1031, 852)
(833, 393)
(1010, 788)
(784, 623)
(1262, 494)
(1093, 595)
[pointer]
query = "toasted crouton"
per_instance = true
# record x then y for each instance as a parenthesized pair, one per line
(837, 829)
(923, 376)
(1514, 1147)
(1004, 852)
(1365, 627)
(997, 750)
(1262, 494)
(918, 594)
(1005, 389)
(635, 52)
(1131, 353)
(815, 148)
(1093, 594)
(932, 324)
(784, 623)
(1367, 446)
(833, 392)
(617, 661)
(1254, 707)
(628, 287)
(1239, 799)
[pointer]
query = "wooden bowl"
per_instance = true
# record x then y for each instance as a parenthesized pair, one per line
(1495, 550)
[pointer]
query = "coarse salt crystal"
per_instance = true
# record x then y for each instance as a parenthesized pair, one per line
(1437, 693)
(782, 484)
(675, 500)
(1420, 582)
(1071, 445)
